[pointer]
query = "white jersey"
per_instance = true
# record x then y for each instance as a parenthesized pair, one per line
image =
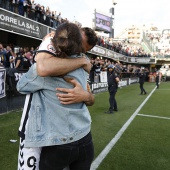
(12, 64)
(28, 158)
(47, 47)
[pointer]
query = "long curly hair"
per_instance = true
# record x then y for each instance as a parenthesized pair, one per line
(67, 39)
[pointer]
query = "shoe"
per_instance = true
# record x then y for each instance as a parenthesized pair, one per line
(116, 110)
(145, 93)
(109, 112)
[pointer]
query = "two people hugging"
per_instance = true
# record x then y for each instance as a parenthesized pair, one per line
(57, 131)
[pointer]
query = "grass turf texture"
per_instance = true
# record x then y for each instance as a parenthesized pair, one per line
(145, 145)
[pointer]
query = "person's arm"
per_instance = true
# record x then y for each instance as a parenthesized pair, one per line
(18, 63)
(11, 60)
(75, 95)
(11, 52)
(30, 82)
(117, 79)
(48, 65)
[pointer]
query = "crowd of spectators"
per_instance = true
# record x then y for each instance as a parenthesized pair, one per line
(15, 61)
(160, 41)
(44, 15)
(22, 59)
(34, 11)
(123, 47)
(123, 70)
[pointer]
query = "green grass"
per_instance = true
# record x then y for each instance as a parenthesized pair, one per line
(145, 145)
(9, 124)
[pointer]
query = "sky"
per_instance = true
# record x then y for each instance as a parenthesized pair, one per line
(127, 12)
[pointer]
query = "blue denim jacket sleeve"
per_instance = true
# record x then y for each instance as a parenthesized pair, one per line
(30, 82)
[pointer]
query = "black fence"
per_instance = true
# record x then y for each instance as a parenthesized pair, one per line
(10, 98)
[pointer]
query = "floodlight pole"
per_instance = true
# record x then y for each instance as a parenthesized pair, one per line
(114, 2)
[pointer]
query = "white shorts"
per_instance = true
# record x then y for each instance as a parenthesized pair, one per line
(28, 158)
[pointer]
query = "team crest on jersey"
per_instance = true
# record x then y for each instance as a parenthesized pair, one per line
(51, 48)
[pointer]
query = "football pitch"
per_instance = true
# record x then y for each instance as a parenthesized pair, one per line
(137, 137)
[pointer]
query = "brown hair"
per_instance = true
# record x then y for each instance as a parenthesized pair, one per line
(68, 39)
(91, 36)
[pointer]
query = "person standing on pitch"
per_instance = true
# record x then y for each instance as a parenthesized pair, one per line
(157, 80)
(113, 80)
(141, 81)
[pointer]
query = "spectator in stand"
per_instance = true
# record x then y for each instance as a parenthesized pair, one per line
(21, 51)
(4, 2)
(18, 63)
(25, 50)
(18, 60)
(42, 15)
(12, 60)
(25, 8)
(8, 54)
(66, 20)
(26, 64)
(59, 19)
(32, 49)
(95, 70)
(107, 62)
(2, 55)
(102, 42)
(48, 16)
(99, 41)
(55, 20)
(33, 5)
(137, 71)
(1, 4)
(102, 66)
(31, 57)
(7, 4)
(15, 2)
(37, 12)
(92, 71)
(118, 68)
(11, 5)
(28, 8)
(52, 19)
(21, 7)
(5, 54)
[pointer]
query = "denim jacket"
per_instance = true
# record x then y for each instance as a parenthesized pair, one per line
(50, 122)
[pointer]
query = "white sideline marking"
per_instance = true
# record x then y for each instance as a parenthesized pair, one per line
(162, 89)
(107, 149)
(160, 117)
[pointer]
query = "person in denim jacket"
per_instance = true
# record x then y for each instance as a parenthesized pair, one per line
(52, 124)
